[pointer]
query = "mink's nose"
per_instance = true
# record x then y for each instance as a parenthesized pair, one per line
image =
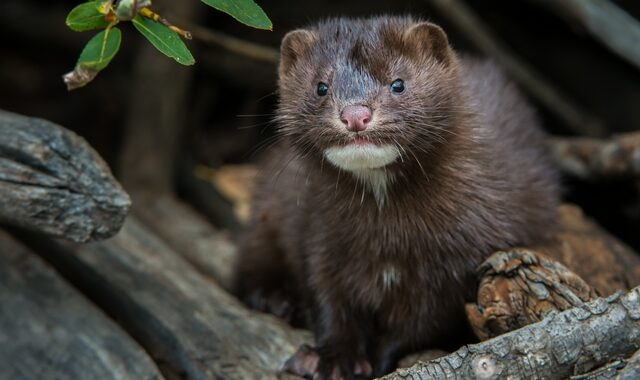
(356, 118)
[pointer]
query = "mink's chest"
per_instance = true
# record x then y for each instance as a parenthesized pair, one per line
(378, 258)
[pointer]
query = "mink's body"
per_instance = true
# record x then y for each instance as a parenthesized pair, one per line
(378, 226)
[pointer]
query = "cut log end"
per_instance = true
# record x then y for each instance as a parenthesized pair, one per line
(52, 181)
(519, 287)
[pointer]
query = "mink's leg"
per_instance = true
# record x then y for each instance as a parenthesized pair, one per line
(262, 279)
(342, 339)
(388, 350)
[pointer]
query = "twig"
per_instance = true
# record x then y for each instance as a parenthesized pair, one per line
(608, 23)
(576, 118)
(234, 44)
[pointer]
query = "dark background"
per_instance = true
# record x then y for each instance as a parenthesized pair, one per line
(223, 110)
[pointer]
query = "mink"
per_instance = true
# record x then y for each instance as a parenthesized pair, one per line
(401, 165)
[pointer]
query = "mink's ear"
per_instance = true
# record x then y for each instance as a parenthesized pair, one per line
(294, 45)
(428, 39)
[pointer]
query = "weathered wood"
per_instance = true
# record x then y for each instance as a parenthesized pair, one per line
(608, 371)
(185, 321)
(568, 343)
(50, 331)
(522, 286)
(52, 181)
(209, 250)
(631, 370)
(519, 287)
(467, 22)
(592, 159)
(603, 261)
(607, 22)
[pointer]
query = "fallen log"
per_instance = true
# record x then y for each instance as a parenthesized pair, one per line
(520, 287)
(186, 322)
(564, 344)
(592, 159)
(52, 181)
(600, 259)
(48, 330)
(524, 285)
(209, 250)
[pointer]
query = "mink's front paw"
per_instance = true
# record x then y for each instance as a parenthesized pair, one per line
(308, 363)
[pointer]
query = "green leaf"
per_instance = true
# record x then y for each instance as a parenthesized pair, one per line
(95, 56)
(245, 11)
(86, 17)
(165, 40)
(101, 49)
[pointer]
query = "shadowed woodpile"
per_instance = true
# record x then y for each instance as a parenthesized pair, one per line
(48, 330)
(565, 344)
(85, 294)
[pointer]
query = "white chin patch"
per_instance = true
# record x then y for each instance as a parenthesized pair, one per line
(357, 157)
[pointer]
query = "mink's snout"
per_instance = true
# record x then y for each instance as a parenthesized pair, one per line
(356, 118)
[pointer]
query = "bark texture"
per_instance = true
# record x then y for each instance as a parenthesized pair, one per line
(564, 344)
(520, 287)
(209, 250)
(48, 330)
(631, 370)
(52, 181)
(186, 322)
(593, 159)
(600, 259)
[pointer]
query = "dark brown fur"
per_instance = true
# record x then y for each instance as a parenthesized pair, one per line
(473, 178)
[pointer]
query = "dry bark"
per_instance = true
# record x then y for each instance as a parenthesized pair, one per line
(564, 344)
(608, 371)
(520, 287)
(603, 261)
(189, 325)
(631, 370)
(50, 331)
(592, 159)
(52, 181)
(209, 250)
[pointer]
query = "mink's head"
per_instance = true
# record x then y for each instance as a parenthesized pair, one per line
(366, 93)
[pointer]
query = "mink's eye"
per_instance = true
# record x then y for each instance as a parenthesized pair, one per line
(397, 86)
(322, 89)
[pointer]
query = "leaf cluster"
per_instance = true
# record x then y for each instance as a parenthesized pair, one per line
(106, 14)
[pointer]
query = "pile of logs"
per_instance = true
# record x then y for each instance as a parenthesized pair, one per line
(96, 283)
(151, 302)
